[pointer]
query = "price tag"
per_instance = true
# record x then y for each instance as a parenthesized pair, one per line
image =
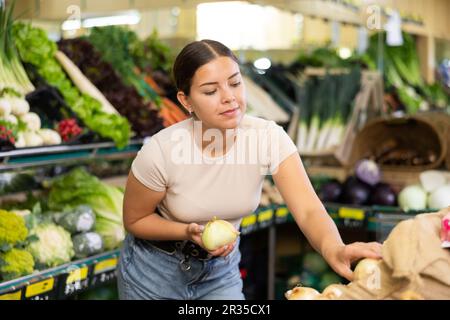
(265, 215)
(104, 271)
(12, 296)
(39, 288)
(282, 212)
(75, 280)
(248, 221)
(103, 277)
(351, 213)
(352, 223)
(105, 265)
(265, 218)
(77, 275)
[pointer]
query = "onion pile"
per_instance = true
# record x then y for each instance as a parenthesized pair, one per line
(364, 269)
(333, 291)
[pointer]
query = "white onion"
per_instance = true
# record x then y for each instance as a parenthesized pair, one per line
(32, 139)
(303, 293)
(20, 142)
(412, 197)
(50, 136)
(410, 295)
(32, 121)
(365, 268)
(19, 107)
(287, 294)
(440, 198)
(218, 233)
(432, 180)
(333, 291)
(5, 107)
(11, 119)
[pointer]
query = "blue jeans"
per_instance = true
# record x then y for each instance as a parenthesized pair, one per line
(146, 272)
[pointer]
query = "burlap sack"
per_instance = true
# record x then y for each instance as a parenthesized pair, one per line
(414, 265)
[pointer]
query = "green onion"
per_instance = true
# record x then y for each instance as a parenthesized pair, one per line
(12, 73)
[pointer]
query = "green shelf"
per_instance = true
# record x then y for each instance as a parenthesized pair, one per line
(32, 157)
(63, 281)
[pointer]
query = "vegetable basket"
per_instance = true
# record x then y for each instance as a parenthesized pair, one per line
(412, 143)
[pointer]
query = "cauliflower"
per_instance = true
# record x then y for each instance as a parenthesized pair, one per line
(15, 263)
(54, 246)
(12, 228)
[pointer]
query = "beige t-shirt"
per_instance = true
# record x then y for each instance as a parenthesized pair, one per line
(199, 187)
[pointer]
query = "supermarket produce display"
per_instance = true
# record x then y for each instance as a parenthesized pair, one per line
(397, 275)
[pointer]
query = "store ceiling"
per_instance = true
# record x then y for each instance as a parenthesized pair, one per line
(60, 10)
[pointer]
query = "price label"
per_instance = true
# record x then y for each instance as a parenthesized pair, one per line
(351, 213)
(248, 221)
(12, 296)
(103, 277)
(77, 275)
(73, 287)
(265, 215)
(265, 218)
(282, 212)
(105, 265)
(75, 280)
(352, 223)
(40, 287)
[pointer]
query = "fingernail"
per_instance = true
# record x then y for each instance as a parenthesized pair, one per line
(201, 228)
(225, 247)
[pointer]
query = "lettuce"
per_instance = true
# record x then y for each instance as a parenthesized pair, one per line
(35, 48)
(79, 187)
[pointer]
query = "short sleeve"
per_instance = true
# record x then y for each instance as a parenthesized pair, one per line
(281, 146)
(149, 166)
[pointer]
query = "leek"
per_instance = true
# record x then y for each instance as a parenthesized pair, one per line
(12, 74)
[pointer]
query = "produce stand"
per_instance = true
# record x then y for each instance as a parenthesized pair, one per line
(106, 91)
(63, 281)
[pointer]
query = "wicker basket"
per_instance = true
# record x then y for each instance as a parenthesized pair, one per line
(423, 133)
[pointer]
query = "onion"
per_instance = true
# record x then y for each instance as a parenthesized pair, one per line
(432, 180)
(412, 198)
(11, 119)
(333, 291)
(410, 295)
(302, 293)
(5, 107)
(287, 294)
(32, 121)
(366, 268)
(218, 233)
(440, 198)
(368, 171)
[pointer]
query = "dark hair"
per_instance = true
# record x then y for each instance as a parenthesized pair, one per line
(193, 56)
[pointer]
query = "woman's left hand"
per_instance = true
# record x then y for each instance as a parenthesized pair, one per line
(341, 257)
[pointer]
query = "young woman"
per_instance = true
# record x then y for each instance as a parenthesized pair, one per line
(213, 164)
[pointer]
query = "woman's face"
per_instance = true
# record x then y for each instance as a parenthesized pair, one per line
(217, 95)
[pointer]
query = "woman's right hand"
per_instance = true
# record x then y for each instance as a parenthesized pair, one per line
(195, 231)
